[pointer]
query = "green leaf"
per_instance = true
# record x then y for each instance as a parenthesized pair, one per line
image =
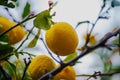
(17, 3)
(7, 4)
(70, 57)
(26, 10)
(5, 48)
(20, 67)
(34, 41)
(79, 23)
(43, 20)
(5, 52)
(9, 69)
(13, 66)
(4, 38)
(115, 3)
(3, 74)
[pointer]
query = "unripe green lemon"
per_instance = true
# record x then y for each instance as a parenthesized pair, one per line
(16, 34)
(61, 39)
(40, 65)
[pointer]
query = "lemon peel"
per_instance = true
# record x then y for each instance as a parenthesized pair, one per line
(68, 73)
(16, 34)
(40, 65)
(61, 39)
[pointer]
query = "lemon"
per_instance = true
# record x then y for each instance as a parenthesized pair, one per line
(40, 65)
(16, 34)
(61, 39)
(92, 39)
(68, 73)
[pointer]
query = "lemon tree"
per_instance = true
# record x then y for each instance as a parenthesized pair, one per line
(61, 39)
(16, 34)
(40, 65)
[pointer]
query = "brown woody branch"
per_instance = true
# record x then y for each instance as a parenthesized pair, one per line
(99, 44)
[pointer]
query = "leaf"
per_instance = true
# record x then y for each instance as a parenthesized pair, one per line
(4, 38)
(115, 68)
(43, 20)
(26, 10)
(79, 23)
(70, 57)
(7, 4)
(34, 41)
(12, 66)
(17, 3)
(5, 48)
(20, 67)
(9, 69)
(3, 74)
(115, 3)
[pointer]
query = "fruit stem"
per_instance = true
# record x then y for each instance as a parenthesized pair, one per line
(49, 51)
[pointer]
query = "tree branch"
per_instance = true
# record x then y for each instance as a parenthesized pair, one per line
(100, 43)
(98, 74)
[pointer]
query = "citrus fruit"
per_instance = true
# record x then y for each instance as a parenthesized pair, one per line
(16, 34)
(40, 65)
(68, 73)
(92, 39)
(61, 39)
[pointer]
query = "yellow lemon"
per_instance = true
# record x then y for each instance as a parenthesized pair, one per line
(61, 39)
(92, 39)
(16, 34)
(40, 65)
(68, 73)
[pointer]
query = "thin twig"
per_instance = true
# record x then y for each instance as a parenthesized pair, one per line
(100, 74)
(26, 67)
(49, 51)
(93, 25)
(25, 39)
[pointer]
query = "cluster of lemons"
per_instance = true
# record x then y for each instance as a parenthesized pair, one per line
(43, 64)
(61, 39)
